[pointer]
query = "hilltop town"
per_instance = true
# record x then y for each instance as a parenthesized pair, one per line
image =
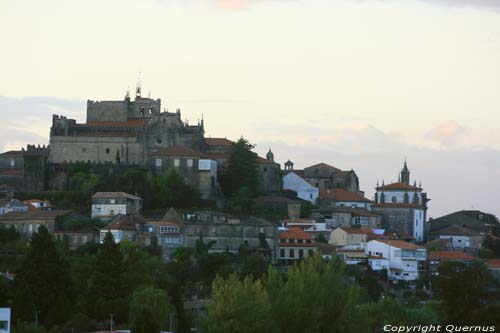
(137, 193)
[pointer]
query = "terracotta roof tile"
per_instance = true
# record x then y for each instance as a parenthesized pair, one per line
(132, 122)
(295, 233)
(449, 255)
(399, 186)
(35, 214)
(218, 142)
(124, 222)
(493, 263)
(115, 195)
(11, 172)
(339, 194)
(400, 244)
(12, 153)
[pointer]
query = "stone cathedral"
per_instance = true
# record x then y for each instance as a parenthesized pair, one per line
(124, 131)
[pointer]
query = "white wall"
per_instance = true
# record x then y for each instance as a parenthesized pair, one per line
(418, 225)
(353, 204)
(400, 268)
(400, 196)
(458, 242)
(4, 320)
(108, 209)
(304, 190)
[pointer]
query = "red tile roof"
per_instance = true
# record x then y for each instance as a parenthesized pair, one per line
(164, 223)
(261, 160)
(399, 186)
(115, 195)
(34, 215)
(132, 122)
(218, 142)
(11, 172)
(493, 263)
(339, 194)
(178, 151)
(400, 244)
(12, 153)
(124, 222)
(450, 255)
(294, 233)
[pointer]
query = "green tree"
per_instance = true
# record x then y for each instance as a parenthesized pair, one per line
(42, 283)
(465, 292)
(238, 307)
(25, 327)
(315, 297)
(106, 288)
(174, 191)
(150, 310)
(242, 169)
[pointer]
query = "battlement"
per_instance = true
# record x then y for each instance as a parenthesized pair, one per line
(32, 150)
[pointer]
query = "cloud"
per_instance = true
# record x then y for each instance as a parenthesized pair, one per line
(455, 177)
(449, 133)
(27, 120)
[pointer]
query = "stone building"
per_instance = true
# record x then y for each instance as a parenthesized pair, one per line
(223, 232)
(121, 132)
(198, 170)
(25, 169)
(27, 223)
(403, 206)
(108, 204)
(324, 176)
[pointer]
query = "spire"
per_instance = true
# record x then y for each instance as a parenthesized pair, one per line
(138, 88)
(405, 174)
(270, 155)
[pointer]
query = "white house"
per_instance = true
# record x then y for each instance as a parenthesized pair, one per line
(4, 320)
(108, 204)
(402, 260)
(305, 191)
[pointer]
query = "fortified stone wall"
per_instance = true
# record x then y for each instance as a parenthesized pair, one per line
(95, 149)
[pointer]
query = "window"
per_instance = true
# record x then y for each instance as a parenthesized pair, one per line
(190, 163)
(158, 140)
(310, 196)
(158, 162)
(265, 169)
(107, 150)
(177, 162)
(12, 163)
(292, 253)
(4, 325)
(84, 150)
(301, 253)
(282, 253)
(112, 201)
(394, 199)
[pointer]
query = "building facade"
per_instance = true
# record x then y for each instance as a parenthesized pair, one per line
(403, 206)
(107, 204)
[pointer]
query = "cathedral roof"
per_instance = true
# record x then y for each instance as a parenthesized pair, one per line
(131, 122)
(218, 142)
(398, 186)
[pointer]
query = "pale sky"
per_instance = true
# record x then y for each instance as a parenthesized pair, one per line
(354, 83)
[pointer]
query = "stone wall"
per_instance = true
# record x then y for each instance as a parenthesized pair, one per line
(106, 111)
(95, 149)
